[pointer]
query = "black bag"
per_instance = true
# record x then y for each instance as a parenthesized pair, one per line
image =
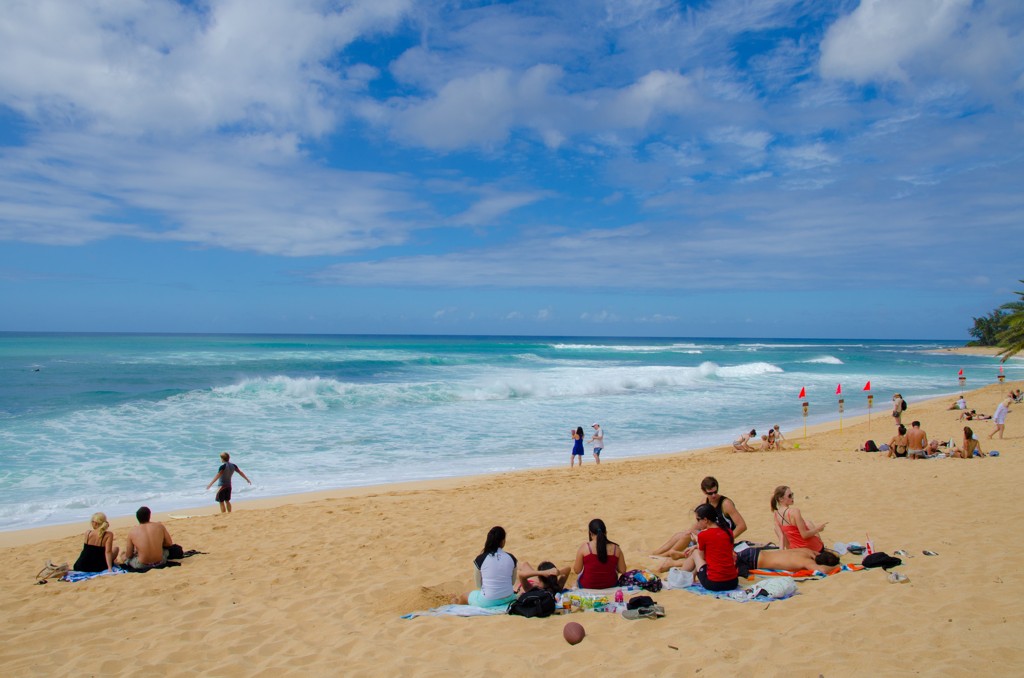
(637, 602)
(533, 603)
(903, 405)
(881, 559)
(869, 446)
(175, 552)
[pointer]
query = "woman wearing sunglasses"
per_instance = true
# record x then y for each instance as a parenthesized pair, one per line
(793, 529)
(727, 512)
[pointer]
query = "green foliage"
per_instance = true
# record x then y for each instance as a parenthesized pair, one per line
(1011, 337)
(987, 328)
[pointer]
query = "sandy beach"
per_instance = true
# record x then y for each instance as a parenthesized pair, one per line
(315, 585)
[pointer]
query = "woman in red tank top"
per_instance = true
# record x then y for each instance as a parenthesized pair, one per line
(599, 562)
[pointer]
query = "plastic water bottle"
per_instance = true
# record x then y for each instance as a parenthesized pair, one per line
(618, 595)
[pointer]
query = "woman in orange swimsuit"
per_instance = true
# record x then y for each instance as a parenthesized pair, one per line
(793, 530)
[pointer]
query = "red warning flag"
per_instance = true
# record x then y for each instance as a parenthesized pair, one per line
(867, 386)
(839, 389)
(803, 392)
(960, 373)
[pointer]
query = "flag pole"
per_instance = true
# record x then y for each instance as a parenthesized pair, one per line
(839, 392)
(803, 394)
(871, 398)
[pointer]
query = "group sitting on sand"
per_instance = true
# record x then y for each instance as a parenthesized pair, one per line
(801, 548)
(706, 548)
(914, 443)
(769, 441)
(146, 546)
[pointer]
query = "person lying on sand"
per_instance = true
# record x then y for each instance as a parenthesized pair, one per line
(545, 576)
(726, 509)
(972, 415)
(791, 560)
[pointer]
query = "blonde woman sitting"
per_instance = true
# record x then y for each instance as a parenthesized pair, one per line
(98, 551)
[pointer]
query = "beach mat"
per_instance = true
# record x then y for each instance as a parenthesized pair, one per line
(742, 595)
(74, 576)
(807, 574)
(458, 611)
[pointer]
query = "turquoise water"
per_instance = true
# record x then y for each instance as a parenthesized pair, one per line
(109, 422)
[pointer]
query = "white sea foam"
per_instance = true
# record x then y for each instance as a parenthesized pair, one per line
(824, 360)
(301, 419)
(634, 348)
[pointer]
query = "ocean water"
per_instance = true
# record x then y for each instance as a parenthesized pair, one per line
(110, 422)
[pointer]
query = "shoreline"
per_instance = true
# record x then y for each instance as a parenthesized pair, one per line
(34, 535)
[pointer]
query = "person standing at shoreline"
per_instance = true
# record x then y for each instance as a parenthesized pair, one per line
(598, 440)
(577, 446)
(224, 473)
(898, 406)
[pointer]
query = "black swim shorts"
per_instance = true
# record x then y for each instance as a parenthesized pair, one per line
(224, 493)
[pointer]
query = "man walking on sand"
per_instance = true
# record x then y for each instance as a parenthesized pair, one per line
(999, 418)
(147, 542)
(917, 441)
(224, 473)
(598, 440)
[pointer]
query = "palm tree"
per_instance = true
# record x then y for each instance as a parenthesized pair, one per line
(1012, 337)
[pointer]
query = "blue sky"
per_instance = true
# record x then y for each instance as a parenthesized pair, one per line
(620, 167)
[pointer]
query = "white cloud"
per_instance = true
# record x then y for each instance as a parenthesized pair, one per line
(145, 66)
(68, 189)
(921, 42)
(811, 156)
(877, 39)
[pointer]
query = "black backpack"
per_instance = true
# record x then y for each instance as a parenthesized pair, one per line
(881, 559)
(533, 603)
(903, 405)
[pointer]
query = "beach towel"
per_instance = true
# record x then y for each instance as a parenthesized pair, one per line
(744, 595)
(74, 576)
(458, 611)
(807, 574)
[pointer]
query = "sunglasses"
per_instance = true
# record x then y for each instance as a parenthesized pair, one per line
(711, 493)
(788, 495)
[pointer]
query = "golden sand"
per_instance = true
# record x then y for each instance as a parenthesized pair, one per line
(315, 585)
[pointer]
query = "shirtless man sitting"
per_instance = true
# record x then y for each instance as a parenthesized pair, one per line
(917, 441)
(147, 542)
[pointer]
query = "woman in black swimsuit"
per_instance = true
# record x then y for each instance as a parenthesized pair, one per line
(899, 442)
(727, 511)
(98, 551)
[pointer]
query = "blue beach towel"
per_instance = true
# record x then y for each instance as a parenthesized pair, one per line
(738, 595)
(74, 576)
(458, 611)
